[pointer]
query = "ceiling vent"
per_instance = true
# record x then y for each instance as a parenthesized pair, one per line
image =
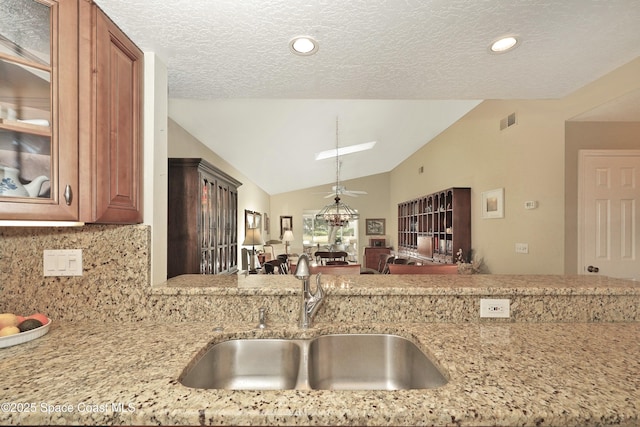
(508, 121)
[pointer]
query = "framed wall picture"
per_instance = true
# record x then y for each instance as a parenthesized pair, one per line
(493, 203)
(252, 220)
(286, 223)
(267, 225)
(375, 226)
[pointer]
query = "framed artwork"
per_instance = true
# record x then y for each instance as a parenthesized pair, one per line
(267, 225)
(493, 203)
(252, 220)
(378, 243)
(286, 223)
(375, 226)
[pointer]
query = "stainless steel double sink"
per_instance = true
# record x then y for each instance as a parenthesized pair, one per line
(328, 362)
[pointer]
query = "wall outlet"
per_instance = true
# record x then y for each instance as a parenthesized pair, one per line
(495, 307)
(522, 248)
(62, 262)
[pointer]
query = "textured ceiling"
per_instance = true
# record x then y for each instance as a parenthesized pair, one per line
(435, 50)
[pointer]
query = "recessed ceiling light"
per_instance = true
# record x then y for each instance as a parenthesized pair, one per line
(327, 154)
(504, 44)
(303, 45)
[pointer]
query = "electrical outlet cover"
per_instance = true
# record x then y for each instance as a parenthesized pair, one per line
(495, 307)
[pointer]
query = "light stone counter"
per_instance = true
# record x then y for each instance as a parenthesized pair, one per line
(382, 284)
(567, 356)
(401, 298)
(525, 374)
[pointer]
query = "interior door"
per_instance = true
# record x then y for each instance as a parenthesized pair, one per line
(609, 193)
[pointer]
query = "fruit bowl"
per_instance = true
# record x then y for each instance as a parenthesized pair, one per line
(24, 337)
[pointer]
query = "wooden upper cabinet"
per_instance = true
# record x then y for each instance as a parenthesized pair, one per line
(70, 114)
(111, 158)
(39, 110)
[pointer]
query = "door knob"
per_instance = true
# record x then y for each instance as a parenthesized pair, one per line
(592, 269)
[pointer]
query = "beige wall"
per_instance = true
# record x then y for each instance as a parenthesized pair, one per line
(376, 204)
(250, 195)
(529, 161)
(526, 160)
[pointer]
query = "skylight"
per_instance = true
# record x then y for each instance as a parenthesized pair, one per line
(327, 154)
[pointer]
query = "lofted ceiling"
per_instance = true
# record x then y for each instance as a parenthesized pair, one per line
(395, 71)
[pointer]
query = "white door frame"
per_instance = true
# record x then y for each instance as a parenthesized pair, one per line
(582, 154)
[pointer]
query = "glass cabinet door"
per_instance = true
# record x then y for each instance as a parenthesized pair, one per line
(38, 109)
(25, 99)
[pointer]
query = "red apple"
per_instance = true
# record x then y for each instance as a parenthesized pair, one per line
(39, 316)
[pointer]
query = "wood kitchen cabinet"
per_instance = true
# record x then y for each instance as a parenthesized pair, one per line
(111, 76)
(202, 219)
(39, 109)
(70, 114)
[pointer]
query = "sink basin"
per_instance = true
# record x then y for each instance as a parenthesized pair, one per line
(370, 362)
(329, 362)
(250, 364)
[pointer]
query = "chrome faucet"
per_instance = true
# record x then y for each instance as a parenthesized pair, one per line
(310, 302)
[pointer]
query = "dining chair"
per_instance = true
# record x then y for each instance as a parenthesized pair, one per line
(385, 268)
(382, 261)
(284, 263)
(274, 266)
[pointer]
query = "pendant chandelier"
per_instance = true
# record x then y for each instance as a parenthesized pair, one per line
(337, 214)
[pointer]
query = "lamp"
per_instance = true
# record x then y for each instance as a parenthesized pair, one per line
(287, 238)
(252, 239)
(337, 214)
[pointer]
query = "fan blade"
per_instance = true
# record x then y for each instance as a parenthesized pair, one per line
(353, 193)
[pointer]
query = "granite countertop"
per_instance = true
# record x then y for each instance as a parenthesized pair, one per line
(383, 284)
(543, 374)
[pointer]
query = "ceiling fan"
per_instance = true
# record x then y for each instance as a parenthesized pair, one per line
(341, 190)
(338, 214)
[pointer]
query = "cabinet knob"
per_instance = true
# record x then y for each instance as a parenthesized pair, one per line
(592, 269)
(68, 194)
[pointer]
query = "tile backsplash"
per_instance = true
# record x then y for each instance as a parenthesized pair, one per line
(116, 272)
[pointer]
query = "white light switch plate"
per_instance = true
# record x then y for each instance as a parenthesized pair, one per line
(62, 262)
